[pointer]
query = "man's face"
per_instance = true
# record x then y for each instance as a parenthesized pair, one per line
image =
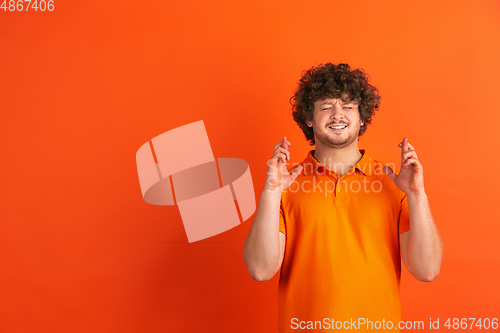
(336, 124)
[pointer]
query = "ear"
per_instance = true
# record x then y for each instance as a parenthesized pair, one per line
(309, 123)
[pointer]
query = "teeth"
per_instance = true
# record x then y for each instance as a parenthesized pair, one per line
(338, 127)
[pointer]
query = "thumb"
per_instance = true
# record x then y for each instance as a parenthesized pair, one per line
(388, 171)
(296, 171)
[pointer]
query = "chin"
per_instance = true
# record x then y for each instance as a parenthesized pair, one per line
(338, 144)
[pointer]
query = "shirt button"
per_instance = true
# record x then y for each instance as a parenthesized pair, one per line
(321, 169)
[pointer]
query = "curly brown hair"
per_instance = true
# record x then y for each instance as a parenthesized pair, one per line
(333, 81)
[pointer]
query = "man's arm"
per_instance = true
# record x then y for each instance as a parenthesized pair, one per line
(421, 247)
(265, 245)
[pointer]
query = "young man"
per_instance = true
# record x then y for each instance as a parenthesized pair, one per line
(340, 221)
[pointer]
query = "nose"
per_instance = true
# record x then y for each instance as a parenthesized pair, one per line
(337, 112)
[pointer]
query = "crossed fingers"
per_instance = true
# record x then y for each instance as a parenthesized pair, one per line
(281, 150)
(408, 154)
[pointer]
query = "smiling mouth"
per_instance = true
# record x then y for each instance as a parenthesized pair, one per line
(337, 127)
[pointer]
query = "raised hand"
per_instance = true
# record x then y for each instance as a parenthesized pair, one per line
(278, 177)
(411, 175)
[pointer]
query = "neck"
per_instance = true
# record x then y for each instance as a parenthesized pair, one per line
(340, 160)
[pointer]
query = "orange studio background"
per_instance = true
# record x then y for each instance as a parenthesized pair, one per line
(84, 86)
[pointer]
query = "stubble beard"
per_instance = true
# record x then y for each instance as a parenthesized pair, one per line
(327, 141)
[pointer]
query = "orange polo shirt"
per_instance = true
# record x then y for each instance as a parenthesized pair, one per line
(342, 259)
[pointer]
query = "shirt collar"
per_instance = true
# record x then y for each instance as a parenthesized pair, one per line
(366, 164)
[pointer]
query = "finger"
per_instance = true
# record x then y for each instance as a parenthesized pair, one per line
(280, 157)
(405, 144)
(409, 154)
(404, 148)
(401, 143)
(281, 144)
(279, 154)
(285, 142)
(282, 154)
(284, 151)
(413, 161)
(416, 164)
(410, 147)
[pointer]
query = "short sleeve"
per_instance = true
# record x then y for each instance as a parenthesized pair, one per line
(404, 216)
(282, 219)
